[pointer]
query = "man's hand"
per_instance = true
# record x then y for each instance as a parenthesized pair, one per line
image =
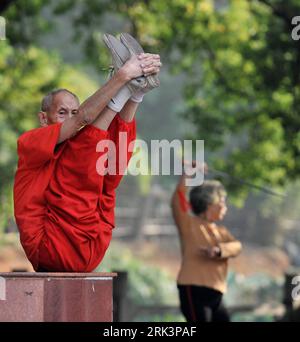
(210, 252)
(193, 165)
(151, 63)
(144, 64)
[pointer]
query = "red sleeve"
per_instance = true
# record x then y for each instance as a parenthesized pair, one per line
(111, 182)
(184, 204)
(37, 146)
(180, 210)
(107, 204)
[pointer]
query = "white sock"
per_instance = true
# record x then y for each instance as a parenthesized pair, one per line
(119, 100)
(137, 96)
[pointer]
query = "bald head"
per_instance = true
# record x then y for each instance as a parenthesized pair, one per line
(48, 99)
(57, 106)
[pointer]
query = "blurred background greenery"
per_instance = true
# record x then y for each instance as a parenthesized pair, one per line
(231, 77)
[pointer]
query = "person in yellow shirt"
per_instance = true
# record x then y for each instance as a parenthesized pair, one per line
(205, 249)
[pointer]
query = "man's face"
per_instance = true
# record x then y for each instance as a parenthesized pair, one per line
(64, 105)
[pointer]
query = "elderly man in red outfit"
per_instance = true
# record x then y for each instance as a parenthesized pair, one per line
(64, 207)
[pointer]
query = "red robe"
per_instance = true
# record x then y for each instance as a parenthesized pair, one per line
(63, 208)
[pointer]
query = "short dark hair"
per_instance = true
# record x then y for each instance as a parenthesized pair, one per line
(48, 99)
(208, 193)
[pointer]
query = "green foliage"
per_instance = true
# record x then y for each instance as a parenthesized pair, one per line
(25, 21)
(160, 318)
(256, 289)
(148, 285)
(242, 75)
(231, 56)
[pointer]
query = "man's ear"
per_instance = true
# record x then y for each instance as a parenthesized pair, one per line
(43, 119)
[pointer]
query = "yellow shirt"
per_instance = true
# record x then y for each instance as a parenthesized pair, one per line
(197, 269)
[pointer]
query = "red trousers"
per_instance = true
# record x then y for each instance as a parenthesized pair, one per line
(66, 222)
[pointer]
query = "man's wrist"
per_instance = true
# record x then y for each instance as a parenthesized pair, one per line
(123, 75)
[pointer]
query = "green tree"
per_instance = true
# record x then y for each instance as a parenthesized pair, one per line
(24, 20)
(241, 69)
(242, 73)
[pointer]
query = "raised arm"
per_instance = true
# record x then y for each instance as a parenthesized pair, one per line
(93, 106)
(179, 203)
(179, 194)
